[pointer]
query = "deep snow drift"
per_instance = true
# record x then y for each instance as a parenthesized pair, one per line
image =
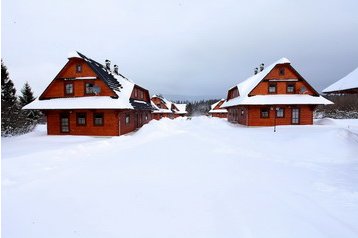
(184, 178)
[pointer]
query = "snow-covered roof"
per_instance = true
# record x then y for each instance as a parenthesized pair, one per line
(246, 86)
(249, 84)
(100, 102)
(221, 110)
(181, 107)
(278, 99)
(120, 85)
(348, 82)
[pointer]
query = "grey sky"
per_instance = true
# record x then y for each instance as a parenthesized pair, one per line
(181, 47)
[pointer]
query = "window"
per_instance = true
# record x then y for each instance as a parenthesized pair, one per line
(141, 94)
(81, 119)
(290, 88)
(69, 88)
(146, 116)
(265, 112)
(272, 87)
(89, 88)
(64, 123)
(282, 71)
(135, 93)
(280, 112)
(242, 112)
(127, 119)
(98, 119)
(78, 68)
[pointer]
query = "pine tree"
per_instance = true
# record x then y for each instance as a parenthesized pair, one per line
(10, 109)
(27, 96)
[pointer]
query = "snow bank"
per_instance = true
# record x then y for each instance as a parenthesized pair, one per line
(183, 178)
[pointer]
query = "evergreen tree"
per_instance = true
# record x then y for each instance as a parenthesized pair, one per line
(10, 109)
(26, 97)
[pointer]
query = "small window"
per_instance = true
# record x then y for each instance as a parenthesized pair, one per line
(98, 119)
(272, 87)
(242, 112)
(81, 119)
(282, 71)
(78, 68)
(265, 112)
(290, 88)
(128, 119)
(146, 116)
(280, 112)
(89, 88)
(69, 88)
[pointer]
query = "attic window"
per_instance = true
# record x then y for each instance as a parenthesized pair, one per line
(272, 88)
(291, 88)
(78, 68)
(69, 88)
(89, 88)
(282, 71)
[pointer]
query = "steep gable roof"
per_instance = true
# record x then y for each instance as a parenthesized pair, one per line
(348, 82)
(181, 108)
(248, 85)
(220, 110)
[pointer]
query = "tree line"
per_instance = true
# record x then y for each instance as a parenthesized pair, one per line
(14, 120)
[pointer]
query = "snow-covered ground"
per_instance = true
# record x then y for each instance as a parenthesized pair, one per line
(184, 178)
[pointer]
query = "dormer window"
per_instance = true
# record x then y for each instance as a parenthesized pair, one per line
(272, 88)
(281, 71)
(68, 88)
(78, 68)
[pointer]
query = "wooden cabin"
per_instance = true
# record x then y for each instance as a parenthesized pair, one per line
(346, 85)
(276, 95)
(217, 111)
(165, 108)
(88, 98)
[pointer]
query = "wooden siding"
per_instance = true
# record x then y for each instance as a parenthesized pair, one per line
(57, 87)
(251, 115)
(219, 115)
(139, 93)
(281, 83)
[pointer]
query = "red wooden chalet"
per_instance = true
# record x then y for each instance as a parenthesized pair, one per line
(166, 108)
(277, 95)
(217, 111)
(88, 98)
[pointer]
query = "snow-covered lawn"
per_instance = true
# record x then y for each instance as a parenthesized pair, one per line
(184, 178)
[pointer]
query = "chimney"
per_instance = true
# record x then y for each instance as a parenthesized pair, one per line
(108, 64)
(116, 69)
(256, 70)
(262, 66)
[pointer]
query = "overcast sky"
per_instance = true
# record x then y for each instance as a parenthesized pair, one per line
(182, 47)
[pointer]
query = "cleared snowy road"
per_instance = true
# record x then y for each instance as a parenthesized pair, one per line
(184, 178)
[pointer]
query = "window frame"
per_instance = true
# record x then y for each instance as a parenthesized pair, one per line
(127, 119)
(78, 114)
(85, 87)
(283, 113)
(95, 114)
(78, 68)
(293, 85)
(270, 85)
(299, 115)
(65, 88)
(281, 71)
(264, 109)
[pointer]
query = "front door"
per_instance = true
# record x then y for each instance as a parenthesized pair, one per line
(295, 115)
(65, 123)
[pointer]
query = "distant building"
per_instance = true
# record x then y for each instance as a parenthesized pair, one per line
(165, 108)
(88, 98)
(217, 111)
(276, 95)
(346, 85)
